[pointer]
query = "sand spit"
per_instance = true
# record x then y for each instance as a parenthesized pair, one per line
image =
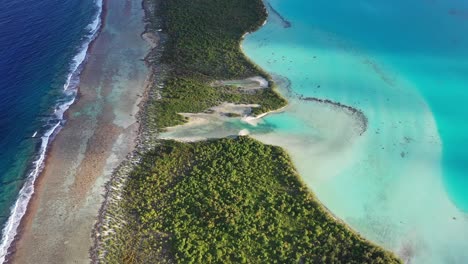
(326, 118)
(201, 125)
(210, 124)
(323, 132)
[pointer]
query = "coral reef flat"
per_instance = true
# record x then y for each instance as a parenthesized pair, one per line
(100, 131)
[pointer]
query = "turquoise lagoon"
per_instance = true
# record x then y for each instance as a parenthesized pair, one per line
(403, 182)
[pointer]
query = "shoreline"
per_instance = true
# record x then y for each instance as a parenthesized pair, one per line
(146, 137)
(353, 111)
(109, 223)
(91, 185)
(272, 84)
(54, 132)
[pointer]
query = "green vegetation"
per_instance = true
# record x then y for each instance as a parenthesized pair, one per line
(219, 201)
(203, 46)
(229, 201)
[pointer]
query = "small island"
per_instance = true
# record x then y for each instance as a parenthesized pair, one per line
(231, 200)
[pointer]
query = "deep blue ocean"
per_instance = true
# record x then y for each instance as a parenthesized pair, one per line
(41, 44)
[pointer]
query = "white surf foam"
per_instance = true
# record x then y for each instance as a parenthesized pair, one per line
(81, 56)
(18, 210)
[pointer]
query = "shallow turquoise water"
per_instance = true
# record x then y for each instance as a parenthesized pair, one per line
(402, 183)
(398, 175)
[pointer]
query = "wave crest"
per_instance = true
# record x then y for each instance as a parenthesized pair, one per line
(53, 126)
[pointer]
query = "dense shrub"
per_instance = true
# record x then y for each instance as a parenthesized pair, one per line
(204, 45)
(227, 200)
(230, 201)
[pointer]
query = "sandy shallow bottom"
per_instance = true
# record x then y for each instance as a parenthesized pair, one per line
(349, 164)
(100, 132)
(388, 183)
